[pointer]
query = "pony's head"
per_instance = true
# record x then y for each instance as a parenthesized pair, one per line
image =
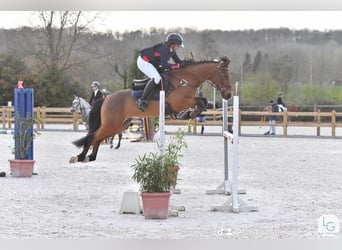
(75, 104)
(221, 78)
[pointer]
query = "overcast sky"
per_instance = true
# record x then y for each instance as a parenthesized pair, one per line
(224, 20)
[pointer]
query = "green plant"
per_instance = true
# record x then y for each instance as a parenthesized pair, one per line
(153, 173)
(157, 172)
(174, 149)
(24, 135)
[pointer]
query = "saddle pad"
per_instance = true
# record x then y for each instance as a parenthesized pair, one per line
(138, 93)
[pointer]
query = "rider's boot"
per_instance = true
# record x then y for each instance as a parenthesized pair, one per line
(147, 95)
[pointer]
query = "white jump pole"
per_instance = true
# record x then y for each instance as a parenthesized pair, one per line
(224, 187)
(225, 141)
(235, 154)
(173, 210)
(162, 121)
(234, 203)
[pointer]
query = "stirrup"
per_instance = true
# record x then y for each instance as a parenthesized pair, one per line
(142, 105)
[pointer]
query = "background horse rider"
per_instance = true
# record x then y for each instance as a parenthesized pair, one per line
(96, 94)
(280, 103)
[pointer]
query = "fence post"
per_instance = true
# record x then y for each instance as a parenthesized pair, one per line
(239, 127)
(333, 123)
(3, 118)
(318, 120)
(75, 121)
(38, 118)
(43, 116)
(285, 118)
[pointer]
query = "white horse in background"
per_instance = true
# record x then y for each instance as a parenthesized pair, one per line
(81, 104)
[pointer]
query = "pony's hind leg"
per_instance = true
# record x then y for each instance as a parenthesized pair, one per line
(111, 141)
(119, 141)
(82, 156)
(100, 135)
(92, 156)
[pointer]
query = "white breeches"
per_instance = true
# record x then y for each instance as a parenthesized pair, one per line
(148, 69)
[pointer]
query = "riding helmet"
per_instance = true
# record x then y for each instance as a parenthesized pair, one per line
(95, 83)
(175, 38)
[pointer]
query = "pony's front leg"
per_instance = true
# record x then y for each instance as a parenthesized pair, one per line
(201, 104)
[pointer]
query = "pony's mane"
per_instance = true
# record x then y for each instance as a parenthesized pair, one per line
(192, 62)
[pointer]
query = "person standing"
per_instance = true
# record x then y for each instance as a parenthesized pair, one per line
(154, 59)
(272, 118)
(96, 94)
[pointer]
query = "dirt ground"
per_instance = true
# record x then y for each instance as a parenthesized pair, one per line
(292, 181)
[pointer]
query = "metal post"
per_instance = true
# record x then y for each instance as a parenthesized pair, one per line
(235, 156)
(23, 106)
(225, 143)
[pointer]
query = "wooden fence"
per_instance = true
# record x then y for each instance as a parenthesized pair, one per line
(284, 120)
(43, 116)
(51, 115)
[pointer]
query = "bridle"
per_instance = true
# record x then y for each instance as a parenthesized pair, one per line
(222, 71)
(75, 106)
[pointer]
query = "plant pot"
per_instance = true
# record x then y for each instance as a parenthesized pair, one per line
(21, 168)
(156, 205)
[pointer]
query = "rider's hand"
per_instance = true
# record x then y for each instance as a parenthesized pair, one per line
(181, 64)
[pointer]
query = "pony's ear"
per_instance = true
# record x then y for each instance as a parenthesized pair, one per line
(75, 95)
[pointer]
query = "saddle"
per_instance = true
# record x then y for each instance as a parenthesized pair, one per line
(138, 86)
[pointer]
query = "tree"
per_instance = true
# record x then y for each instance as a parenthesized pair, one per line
(61, 31)
(247, 64)
(11, 70)
(56, 52)
(207, 45)
(257, 62)
(282, 70)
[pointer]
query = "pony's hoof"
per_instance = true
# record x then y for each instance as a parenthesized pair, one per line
(73, 159)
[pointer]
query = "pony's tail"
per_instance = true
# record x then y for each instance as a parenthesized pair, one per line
(94, 124)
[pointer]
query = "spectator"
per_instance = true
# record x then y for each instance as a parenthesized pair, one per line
(272, 118)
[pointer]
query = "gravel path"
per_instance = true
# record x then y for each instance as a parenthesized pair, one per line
(292, 181)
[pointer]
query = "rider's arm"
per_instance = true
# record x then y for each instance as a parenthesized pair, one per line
(165, 57)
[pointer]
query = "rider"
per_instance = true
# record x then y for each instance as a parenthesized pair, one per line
(96, 94)
(154, 59)
(281, 103)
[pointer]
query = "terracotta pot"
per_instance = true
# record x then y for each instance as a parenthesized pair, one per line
(21, 168)
(156, 205)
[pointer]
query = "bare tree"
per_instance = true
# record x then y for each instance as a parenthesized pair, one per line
(61, 33)
(207, 45)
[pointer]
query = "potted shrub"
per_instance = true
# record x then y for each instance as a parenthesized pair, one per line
(24, 134)
(157, 174)
(174, 149)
